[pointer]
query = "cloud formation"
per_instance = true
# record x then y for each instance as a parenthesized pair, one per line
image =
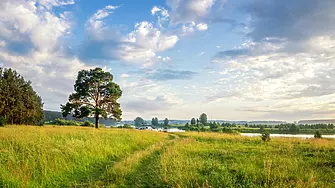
(288, 55)
(166, 74)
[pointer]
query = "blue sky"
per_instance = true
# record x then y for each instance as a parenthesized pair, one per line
(232, 59)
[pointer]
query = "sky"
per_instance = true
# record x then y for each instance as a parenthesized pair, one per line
(232, 59)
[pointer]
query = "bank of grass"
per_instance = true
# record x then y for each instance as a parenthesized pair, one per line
(85, 157)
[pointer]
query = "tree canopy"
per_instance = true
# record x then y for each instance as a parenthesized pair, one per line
(203, 118)
(95, 95)
(19, 103)
(193, 121)
(154, 121)
(139, 121)
(166, 122)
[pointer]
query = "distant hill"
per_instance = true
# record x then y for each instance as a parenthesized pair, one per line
(52, 115)
(320, 121)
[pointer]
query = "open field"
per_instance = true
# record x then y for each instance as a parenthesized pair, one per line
(85, 157)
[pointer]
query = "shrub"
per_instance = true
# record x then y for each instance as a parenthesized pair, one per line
(87, 124)
(2, 122)
(65, 122)
(317, 134)
(266, 137)
(235, 132)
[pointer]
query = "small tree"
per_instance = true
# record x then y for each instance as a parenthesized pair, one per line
(139, 121)
(193, 121)
(317, 134)
(266, 137)
(95, 95)
(153, 121)
(166, 122)
(203, 118)
(293, 128)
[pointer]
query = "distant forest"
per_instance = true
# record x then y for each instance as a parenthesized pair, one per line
(53, 115)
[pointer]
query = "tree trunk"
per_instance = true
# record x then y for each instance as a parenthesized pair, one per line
(97, 121)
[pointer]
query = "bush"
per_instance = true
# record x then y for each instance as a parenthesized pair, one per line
(2, 122)
(87, 124)
(317, 134)
(266, 137)
(65, 122)
(235, 132)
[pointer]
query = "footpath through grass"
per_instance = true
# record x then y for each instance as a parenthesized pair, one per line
(84, 157)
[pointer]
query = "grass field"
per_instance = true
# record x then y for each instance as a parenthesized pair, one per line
(85, 157)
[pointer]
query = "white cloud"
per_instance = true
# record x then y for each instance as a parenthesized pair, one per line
(95, 23)
(37, 32)
(185, 11)
(139, 46)
(202, 27)
(23, 22)
(124, 76)
(55, 3)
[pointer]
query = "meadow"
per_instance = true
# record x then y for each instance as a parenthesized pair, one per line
(85, 157)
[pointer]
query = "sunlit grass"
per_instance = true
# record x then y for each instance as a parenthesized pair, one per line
(85, 157)
(47, 156)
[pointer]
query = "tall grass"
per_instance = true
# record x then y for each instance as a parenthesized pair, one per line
(85, 157)
(63, 156)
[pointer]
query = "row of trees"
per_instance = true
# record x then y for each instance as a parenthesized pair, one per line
(154, 122)
(19, 103)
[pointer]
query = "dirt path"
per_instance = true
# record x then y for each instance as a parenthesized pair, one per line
(141, 169)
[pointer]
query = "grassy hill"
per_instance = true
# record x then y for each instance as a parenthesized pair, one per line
(85, 157)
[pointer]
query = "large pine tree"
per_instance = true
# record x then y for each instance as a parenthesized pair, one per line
(19, 103)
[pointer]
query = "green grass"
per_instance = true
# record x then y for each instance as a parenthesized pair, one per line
(85, 157)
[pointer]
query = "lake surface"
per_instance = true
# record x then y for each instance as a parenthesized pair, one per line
(305, 136)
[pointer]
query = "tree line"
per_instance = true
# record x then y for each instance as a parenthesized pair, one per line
(19, 103)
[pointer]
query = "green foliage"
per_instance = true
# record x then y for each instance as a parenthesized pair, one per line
(87, 124)
(261, 128)
(203, 118)
(193, 122)
(126, 126)
(294, 128)
(166, 122)
(64, 122)
(2, 122)
(317, 134)
(154, 122)
(19, 103)
(266, 137)
(139, 121)
(95, 94)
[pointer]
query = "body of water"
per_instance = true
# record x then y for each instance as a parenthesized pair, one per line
(305, 136)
